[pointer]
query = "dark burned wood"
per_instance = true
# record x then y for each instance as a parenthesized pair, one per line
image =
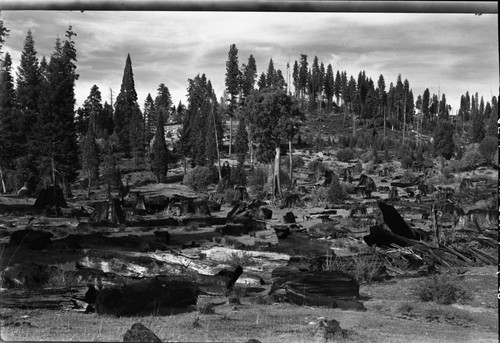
(396, 223)
(322, 288)
(108, 212)
(56, 298)
(146, 297)
(383, 238)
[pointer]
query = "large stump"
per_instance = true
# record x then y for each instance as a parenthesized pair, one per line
(151, 296)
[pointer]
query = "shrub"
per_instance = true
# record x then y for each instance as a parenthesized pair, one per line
(231, 196)
(406, 162)
(364, 268)
(345, 155)
(243, 259)
(238, 175)
(200, 177)
(317, 167)
(442, 289)
(205, 307)
(488, 148)
(367, 156)
(369, 167)
(471, 159)
(336, 193)
(257, 180)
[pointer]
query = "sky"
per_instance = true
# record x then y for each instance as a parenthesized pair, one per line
(447, 53)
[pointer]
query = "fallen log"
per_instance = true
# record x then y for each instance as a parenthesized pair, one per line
(385, 238)
(159, 295)
(323, 288)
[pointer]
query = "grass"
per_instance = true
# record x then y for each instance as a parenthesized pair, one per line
(267, 323)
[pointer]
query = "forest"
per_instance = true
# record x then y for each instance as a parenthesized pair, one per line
(301, 204)
(43, 138)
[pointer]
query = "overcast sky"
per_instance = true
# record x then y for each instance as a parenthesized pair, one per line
(450, 53)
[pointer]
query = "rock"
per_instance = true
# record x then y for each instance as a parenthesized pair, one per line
(35, 240)
(251, 340)
(157, 295)
(140, 333)
(289, 218)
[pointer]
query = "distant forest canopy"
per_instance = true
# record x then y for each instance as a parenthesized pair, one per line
(43, 139)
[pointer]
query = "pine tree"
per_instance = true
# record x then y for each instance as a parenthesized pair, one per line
(262, 83)
(55, 137)
(443, 140)
(126, 109)
(150, 119)
(329, 86)
(249, 77)
(478, 128)
(295, 77)
(159, 152)
(163, 102)
(232, 87)
(111, 173)
(241, 144)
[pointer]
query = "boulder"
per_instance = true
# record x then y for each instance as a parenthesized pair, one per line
(146, 297)
(140, 333)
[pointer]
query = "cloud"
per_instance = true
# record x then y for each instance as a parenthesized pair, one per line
(454, 53)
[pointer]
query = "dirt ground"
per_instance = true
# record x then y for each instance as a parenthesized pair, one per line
(387, 319)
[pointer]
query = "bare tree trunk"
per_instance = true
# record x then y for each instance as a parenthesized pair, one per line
(384, 124)
(276, 174)
(3, 181)
(230, 134)
(88, 190)
(217, 145)
(404, 120)
(353, 124)
(291, 161)
(250, 143)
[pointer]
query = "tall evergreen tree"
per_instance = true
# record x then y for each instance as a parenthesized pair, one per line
(329, 86)
(271, 78)
(478, 128)
(295, 78)
(443, 139)
(241, 144)
(232, 87)
(126, 109)
(249, 77)
(262, 83)
(163, 102)
(337, 86)
(56, 140)
(426, 98)
(150, 118)
(159, 152)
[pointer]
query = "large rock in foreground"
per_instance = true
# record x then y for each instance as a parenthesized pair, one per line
(159, 295)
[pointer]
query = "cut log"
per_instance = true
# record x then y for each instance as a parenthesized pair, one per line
(325, 288)
(146, 297)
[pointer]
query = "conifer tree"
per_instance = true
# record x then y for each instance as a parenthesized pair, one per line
(262, 83)
(56, 131)
(329, 87)
(163, 102)
(126, 109)
(241, 144)
(232, 87)
(478, 128)
(150, 118)
(159, 152)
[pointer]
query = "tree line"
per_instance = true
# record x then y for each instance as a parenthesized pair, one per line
(43, 139)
